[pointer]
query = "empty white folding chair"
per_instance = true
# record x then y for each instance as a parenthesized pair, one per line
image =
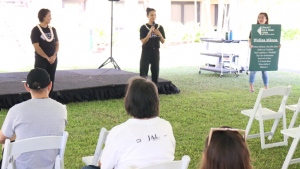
(294, 133)
(296, 109)
(262, 114)
(93, 160)
(35, 144)
(182, 164)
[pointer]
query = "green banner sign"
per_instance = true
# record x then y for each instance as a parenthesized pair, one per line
(265, 52)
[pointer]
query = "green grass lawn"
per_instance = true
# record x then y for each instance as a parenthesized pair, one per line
(205, 101)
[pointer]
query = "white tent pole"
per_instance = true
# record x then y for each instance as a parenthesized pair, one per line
(220, 18)
(195, 11)
(145, 4)
(225, 23)
(208, 13)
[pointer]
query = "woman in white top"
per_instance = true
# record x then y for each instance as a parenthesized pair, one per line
(145, 138)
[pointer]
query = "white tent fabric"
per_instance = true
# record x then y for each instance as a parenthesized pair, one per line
(163, 10)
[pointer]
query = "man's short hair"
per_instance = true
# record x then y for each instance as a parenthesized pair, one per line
(40, 91)
(141, 100)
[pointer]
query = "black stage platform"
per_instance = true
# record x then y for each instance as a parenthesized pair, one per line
(76, 86)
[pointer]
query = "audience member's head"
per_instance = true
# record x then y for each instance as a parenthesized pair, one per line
(226, 148)
(38, 82)
(141, 100)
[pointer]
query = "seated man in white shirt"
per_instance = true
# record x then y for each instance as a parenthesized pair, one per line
(145, 138)
(39, 116)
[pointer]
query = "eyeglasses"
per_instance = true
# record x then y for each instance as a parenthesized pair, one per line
(225, 129)
(262, 17)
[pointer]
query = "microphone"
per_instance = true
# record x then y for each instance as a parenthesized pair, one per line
(154, 24)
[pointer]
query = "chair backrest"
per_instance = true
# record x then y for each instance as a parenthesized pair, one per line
(282, 91)
(182, 164)
(35, 144)
(101, 141)
(298, 105)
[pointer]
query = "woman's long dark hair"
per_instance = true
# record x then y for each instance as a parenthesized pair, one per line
(266, 15)
(149, 10)
(227, 150)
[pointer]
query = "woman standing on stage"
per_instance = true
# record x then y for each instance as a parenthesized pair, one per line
(261, 19)
(151, 35)
(45, 41)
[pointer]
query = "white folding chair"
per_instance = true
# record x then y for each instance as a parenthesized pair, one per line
(93, 160)
(35, 144)
(294, 133)
(262, 114)
(296, 109)
(182, 164)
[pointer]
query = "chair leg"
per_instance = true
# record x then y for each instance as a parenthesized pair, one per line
(290, 153)
(284, 127)
(249, 126)
(274, 128)
(293, 119)
(262, 133)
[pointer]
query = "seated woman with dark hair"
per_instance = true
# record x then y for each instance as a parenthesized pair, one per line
(143, 139)
(226, 148)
